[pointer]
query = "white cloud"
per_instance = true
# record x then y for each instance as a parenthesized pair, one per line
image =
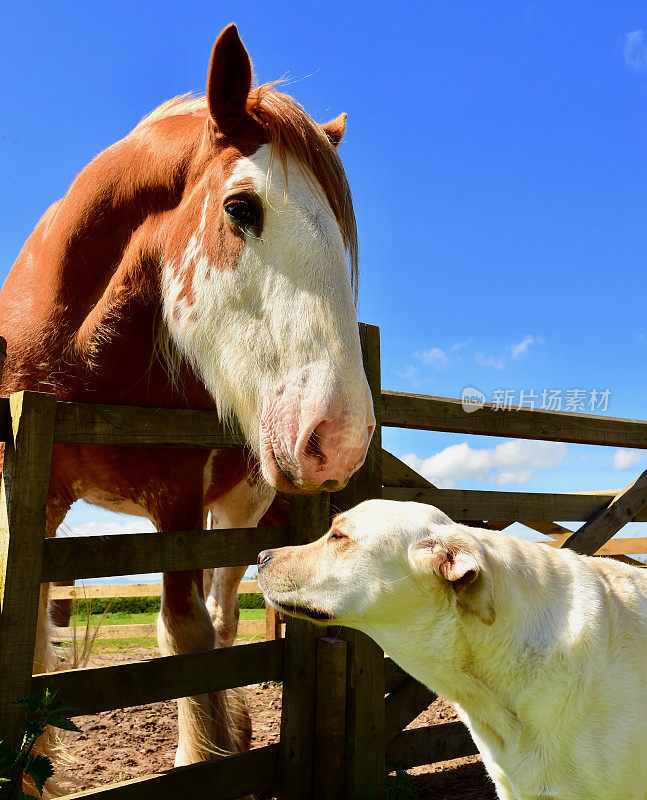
(515, 462)
(635, 51)
(498, 362)
(515, 350)
(408, 373)
(624, 459)
(434, 357)
(521, 348)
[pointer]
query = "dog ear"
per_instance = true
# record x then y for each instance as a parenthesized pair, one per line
(463, 567)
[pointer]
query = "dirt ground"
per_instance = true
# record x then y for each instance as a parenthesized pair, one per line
(129, 743)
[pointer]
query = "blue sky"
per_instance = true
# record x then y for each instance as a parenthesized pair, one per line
(496, 153)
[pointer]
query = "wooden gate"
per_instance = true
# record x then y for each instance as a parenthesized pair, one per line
(344, 704)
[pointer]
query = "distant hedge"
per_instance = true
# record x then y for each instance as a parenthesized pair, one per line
(251, 601)
(139, 605)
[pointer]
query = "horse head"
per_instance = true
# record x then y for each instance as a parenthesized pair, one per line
(256, 285)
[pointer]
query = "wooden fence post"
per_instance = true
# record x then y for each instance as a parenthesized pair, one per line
(330, 719)
(3, 354)
(309, 519)
(365, 735)
(25, 479)
(272, 623)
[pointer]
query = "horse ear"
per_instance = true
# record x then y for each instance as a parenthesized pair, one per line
(335, 129)
(461, 566)
(229, 81)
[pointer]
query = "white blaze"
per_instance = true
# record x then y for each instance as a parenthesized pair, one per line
(284, 315)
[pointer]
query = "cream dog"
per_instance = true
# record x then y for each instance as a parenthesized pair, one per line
(541, 650)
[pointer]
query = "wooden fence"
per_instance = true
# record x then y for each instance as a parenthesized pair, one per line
(268, 628)
(341, 697)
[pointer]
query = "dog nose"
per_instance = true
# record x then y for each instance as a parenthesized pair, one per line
(264, 558)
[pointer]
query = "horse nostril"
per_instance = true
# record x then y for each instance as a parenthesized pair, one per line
(313, 448)
(264, 558)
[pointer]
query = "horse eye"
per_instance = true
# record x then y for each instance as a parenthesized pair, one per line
(243, 212)
(336, 536)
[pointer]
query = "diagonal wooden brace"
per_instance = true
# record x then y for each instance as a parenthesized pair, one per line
(606, 523)
(396, 473)
(404, 704)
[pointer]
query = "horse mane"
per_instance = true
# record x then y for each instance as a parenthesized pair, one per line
(290, 130)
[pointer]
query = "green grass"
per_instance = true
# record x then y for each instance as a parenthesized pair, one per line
(252, 613)
(146, 617)
(146, 642)
(143, 618)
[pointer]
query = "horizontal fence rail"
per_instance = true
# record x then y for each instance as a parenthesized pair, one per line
(430, 744)
(85, 423)
(78, 557)
(109, 590)
(82, 423)
(226, 778)
(466, 504)
(246, 627)
(165, 678)
(425, 412)
(89, 423)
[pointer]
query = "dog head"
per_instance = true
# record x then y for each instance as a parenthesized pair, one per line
(383, 563)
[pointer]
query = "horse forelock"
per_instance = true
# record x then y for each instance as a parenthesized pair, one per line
(290, 130)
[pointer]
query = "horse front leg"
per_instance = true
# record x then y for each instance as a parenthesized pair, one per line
(209, 724)
(45, 655)
(241, 507)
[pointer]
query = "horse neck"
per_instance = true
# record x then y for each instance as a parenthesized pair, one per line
(80, 306)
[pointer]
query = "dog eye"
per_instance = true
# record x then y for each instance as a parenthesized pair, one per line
(335, 536)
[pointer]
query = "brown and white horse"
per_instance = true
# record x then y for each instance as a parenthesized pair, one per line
(200, 262)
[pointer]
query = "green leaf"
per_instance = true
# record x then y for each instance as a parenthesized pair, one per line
(40, 769)
(31, 728)
(31, 702)
(7, 756)
(62, 722)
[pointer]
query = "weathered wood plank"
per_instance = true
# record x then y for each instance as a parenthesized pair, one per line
(3, 354)
(394, 675)
(558, 532)
(90, 691)
(616, 547)
(624, 508)
(226, 778)
(246, 627)
(330, 719)
(425, 412)
(309, 519)
(365, 743)
(83, 423)
(466, 504)
(396, 473)
(105, 590)
(404, 704)
(431, 744)
(25, 479)
(5, 422)
(141, 553)
(272, 623)
(499, 524)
